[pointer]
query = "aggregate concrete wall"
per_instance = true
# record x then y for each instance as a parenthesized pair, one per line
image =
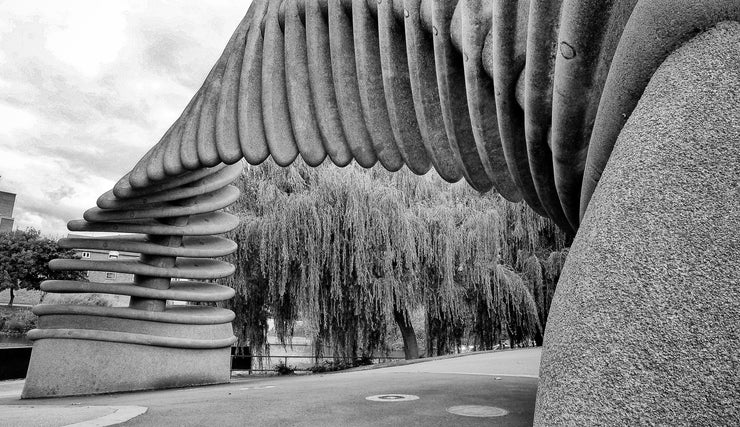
(645, 323)
(77, 367)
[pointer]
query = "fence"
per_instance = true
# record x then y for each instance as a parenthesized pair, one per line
(302, 359)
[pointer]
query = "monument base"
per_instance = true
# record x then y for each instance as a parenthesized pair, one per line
(62, 367)
(83, 350)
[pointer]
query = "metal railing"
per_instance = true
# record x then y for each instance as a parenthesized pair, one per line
(309, 360)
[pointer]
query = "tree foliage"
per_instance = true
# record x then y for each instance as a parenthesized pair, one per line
(350, 251)
(24, 260)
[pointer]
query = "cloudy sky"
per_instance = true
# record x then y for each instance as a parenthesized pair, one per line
(87, 86)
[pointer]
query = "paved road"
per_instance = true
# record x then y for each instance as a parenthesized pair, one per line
(505, 380)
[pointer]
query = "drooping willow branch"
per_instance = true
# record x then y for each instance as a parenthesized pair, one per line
(341, 249)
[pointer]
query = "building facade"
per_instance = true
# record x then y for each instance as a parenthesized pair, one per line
(7, 203)
(107, 276)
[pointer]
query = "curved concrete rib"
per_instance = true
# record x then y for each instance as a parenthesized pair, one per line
(129, 338)
(207, 143)
(300, 101)
(209, 202)
(275, 114)
(184, 268)
(541, 52)
(637, 57)
(344, 75)
(370, 86)
(451, 83)
(124, 190)
(589, 31)
(191, 246)
(420, 54)
(178, 291)
(507, 41)
(170, 163)
(226, 127)
(210, 183)
(199, 225)
(397, 88)
(189, 139)
(322, 85)
(249, 113)
(185, 315)
(475, 22)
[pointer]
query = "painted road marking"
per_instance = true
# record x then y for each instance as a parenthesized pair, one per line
(121, 414)
(10, 394)
(258, 387)
(474, 373)
(477, 411)
(392, 397)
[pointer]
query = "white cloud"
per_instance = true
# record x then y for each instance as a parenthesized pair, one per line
(87, 35)
(87, 86)
(15, 120)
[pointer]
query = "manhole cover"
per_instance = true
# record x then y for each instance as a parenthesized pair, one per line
(477, 411)
(392, 397)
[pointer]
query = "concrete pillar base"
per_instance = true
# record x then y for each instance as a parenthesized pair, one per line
(645, 324)
(62, 367)
(82, 350)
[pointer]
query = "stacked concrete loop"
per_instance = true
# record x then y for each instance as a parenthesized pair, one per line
(174, 225)
(524, 97)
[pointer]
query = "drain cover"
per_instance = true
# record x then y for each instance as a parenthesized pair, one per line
(392, 397)
(477, 411)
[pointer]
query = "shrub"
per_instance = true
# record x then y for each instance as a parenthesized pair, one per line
(327, 366)
(283, 369)
(365, 360)
(20, 321)
(340, 365)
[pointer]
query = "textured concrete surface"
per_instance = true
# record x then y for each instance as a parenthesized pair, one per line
(337, 399)
(66, 367)
(645, 324)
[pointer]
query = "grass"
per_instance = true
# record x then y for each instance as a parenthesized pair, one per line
(22, 296)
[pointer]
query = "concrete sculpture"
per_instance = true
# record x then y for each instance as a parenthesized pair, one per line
(525, 97)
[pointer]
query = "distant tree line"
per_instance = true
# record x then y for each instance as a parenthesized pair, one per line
(356, 253)
(24, 261)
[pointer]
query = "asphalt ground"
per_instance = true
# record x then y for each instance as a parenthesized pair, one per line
(502, 383)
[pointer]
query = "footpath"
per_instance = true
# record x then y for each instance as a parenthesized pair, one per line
(492, 388)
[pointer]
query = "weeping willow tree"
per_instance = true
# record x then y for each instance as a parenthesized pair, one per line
(473, 281)
(353, 252)
(330, 247)
(541, 274)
